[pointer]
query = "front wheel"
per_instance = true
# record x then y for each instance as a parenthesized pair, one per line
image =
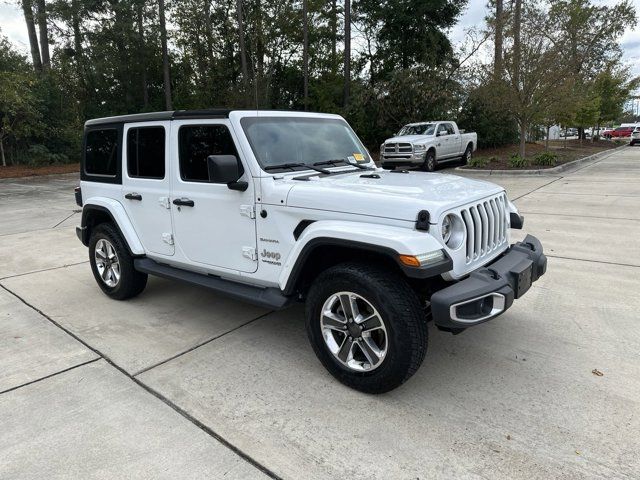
(430, 161)
(366, 326)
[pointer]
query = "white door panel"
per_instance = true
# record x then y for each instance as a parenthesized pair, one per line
(216, 231)
(146, 199)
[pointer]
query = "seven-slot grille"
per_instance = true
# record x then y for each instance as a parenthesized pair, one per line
(398, 148)
(486, 224)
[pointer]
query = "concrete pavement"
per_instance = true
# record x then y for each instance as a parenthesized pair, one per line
(182, 383)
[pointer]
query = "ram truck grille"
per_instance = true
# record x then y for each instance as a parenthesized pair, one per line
(398, 148)
(486, 224)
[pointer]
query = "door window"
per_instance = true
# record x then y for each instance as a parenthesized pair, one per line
(145, 152)
(196, 143)
(442, 129)
(450, 129)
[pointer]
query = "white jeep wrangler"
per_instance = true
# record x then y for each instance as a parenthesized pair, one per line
(279, 207)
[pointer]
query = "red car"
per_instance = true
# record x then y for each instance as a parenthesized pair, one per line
(619, 132)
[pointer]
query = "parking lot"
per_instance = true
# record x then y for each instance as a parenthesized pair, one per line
(182, 383)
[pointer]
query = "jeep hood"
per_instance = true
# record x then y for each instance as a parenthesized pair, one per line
(394, 195)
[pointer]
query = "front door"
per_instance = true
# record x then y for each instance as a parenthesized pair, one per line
(213, 225)
(146, 184)
(445, 141)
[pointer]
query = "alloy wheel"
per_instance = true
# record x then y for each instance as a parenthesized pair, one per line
(107, 263)
(353, 331)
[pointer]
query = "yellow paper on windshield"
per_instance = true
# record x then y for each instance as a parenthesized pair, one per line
(358, 157)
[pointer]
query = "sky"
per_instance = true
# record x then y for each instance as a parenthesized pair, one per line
(12, 25)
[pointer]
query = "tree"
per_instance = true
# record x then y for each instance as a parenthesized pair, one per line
(498, 39)
(347, 51)
(33, 38)
(44, 33)
(165, 57)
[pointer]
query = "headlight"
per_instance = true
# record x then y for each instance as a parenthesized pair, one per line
(452, 230)
(418, 148)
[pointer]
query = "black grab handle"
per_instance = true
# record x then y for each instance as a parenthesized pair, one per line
(184, 202)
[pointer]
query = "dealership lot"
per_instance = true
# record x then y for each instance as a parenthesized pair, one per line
(182, 383)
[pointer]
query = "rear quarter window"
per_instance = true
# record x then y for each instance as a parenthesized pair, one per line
(101, 152)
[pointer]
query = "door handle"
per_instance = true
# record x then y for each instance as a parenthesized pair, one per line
(184, 202)
(133, 196)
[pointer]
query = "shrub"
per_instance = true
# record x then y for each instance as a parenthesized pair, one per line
(39, 155)
(478, 162)
(516, 161)
(545, 159)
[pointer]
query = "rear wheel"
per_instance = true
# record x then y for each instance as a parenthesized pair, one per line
(366, 326)
(112, 264)
(466, 158)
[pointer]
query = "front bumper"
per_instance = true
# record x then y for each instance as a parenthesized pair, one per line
(402, 160)
(490, 291)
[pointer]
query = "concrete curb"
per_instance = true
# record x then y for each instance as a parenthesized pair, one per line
(543, 171)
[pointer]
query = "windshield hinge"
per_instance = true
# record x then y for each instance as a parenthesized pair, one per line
(248, 211)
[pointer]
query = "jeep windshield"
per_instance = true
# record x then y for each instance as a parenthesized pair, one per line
(303, 143)
(421, 129)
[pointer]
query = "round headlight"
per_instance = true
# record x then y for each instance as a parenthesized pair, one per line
(452, 230)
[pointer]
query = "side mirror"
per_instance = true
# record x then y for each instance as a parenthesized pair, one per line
(225, 169)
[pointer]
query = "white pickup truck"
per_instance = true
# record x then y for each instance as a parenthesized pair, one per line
(427, 144)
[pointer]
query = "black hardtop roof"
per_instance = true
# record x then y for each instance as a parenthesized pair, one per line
(156, 116)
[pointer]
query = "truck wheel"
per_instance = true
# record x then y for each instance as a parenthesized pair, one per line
(429, 161)
(466, 158)
(366, 326)
(112, 264)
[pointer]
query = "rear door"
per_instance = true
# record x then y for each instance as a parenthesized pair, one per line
(146, 184)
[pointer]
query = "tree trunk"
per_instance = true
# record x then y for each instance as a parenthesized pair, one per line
(546, 143)
(44, 33)
(243, 48)
(347, 51)
(517, 22)
(165, 57)
(142, 56)
(305, 53)
(523, 139)
(4, 160)
(499, 26)
(334, 36)
(33, 38)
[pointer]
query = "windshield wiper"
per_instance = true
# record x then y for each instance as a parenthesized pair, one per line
(295, 165)
(340, 160)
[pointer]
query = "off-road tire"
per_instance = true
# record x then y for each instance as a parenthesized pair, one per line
(400, 310)
(131, 282)
(430, 164)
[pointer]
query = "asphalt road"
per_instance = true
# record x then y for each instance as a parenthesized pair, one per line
(182, 383)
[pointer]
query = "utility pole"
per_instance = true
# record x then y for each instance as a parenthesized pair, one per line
(305, 53)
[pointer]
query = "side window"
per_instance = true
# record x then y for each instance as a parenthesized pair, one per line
(442, 129)
(196, 143)
(450, 129)
(101, 152)
(145, 152)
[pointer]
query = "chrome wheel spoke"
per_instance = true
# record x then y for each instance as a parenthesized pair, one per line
(333, 321)
(370, 350)
(107, 262)
(105, 273)
(349, 306)
(344, 353)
